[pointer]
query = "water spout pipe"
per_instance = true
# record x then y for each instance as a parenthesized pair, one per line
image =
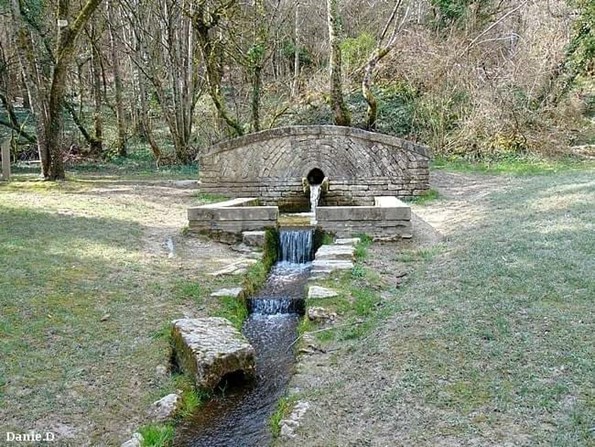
(324, 186)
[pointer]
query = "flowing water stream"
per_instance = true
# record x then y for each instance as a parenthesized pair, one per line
(238, 415)
(315, 191)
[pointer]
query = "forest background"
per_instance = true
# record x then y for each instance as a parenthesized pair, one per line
(159, 80)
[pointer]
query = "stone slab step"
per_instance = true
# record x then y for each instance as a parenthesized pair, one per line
(317, 292)
(233, 292)
(235, 268)
(348, 241)
(335, 252)
(253, 238)
(330, 265)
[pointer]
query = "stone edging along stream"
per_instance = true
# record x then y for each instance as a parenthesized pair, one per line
(165, 409)
(232, 351)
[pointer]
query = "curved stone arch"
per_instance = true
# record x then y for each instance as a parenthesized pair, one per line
(300, 162)
(359, 164)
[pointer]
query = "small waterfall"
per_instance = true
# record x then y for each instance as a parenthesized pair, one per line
(315, 191)
(276, 306)
(283, 292)
(295, 246)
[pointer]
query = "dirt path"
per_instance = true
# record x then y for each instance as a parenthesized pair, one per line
(160, 207)
(461, 199)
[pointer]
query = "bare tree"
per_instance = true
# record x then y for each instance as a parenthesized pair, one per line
(49, 92)
(113, 15)
(381, 50)
(340, 111)
(296, 50)
(206, 18)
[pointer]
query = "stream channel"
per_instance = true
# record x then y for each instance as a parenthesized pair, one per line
(238, 415)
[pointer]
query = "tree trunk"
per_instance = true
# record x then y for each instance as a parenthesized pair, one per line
(49, 118)
(379, 52)
(54, 128)
(256, 57)
(203, 22)
(67, 35)
(340, 111)
(256, 88)
(91, 141)
(121, 138)
(34, 82)
(97, 141)
(296, 51)
(367, 92)
(145, 119)
(367, 81)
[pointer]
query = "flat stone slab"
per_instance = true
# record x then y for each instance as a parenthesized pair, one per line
(253, 238)
(316, 292)
(135, 441)
(233, 292)
(328, 265)
(235, 268)
(348, 241)
(210, 348)
(362, 213)
(165, 408)
(289, 425)
(335, 252)
(320, 314)
(185, 183)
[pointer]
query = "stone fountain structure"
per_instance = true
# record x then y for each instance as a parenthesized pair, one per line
(361, 177)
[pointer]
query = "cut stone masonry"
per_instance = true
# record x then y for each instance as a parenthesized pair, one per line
(270, 165)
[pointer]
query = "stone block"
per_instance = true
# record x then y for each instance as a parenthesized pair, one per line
(235, 268)
(317, 292)
(328, 266)
(254, 238)
(348, 241)
(336, 252)
(210, 348)
(362, 213)
(320, 314)
(165, 408)
(234, 292)
(135, 441)
(242, 213)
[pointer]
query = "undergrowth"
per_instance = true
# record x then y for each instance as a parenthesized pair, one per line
(513, 165)
(282, 411)
(157, 435)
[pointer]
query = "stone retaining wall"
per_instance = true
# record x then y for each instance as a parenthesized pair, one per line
(232, 217)
(387, 220)
(270, 165)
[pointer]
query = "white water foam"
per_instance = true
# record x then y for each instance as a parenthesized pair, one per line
(314, 198)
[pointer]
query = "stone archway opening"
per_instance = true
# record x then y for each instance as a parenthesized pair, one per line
(315, 176)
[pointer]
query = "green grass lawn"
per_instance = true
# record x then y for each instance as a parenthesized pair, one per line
(505, 319)
(489, 342)
(84, 305)
(490, 339)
